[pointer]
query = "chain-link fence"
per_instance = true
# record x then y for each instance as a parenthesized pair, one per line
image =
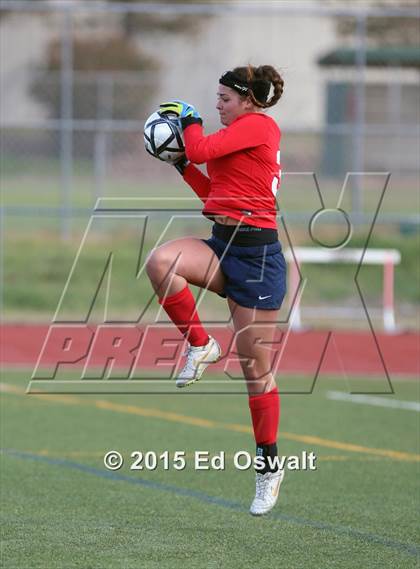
(79, 78)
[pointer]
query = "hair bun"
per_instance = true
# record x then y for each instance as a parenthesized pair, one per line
(260, 80)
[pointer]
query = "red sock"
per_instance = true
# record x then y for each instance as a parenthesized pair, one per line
(265, 413)
(181, 309)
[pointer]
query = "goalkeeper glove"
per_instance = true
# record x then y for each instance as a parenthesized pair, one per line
(179, 108)
(181, 165)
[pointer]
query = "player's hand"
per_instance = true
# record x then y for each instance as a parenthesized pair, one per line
(181, 109)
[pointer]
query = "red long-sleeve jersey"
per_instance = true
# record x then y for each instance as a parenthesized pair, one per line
(243, 166)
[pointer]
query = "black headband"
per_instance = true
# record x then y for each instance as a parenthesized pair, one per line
(260, 87)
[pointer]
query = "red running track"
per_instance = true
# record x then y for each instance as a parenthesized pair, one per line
(337, 352)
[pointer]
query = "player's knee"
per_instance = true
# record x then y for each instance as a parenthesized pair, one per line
(256, 370)
(259, 384)
(158, 262)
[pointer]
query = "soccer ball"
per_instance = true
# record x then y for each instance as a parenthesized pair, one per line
(163, 138)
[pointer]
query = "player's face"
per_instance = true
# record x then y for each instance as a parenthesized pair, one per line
(231, 105)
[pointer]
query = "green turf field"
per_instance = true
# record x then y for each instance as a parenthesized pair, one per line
(62, 509)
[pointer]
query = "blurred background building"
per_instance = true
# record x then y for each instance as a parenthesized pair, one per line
(78, 79)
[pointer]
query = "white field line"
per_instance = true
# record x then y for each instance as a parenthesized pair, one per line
(373, 400)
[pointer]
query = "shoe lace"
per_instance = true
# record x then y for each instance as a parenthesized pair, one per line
(189, 364)
(262, 481)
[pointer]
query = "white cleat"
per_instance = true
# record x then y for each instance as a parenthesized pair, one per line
(266, 492)
(198, 358)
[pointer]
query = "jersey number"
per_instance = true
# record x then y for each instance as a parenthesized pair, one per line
(276, 180)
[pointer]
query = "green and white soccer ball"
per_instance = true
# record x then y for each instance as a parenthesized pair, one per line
(163, 138)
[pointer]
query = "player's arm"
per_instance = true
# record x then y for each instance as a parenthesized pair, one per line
(245, 133)
(198, 181)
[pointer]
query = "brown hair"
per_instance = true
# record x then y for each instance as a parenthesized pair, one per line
(251, 74)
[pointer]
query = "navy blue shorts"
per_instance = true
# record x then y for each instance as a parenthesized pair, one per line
(255, 276)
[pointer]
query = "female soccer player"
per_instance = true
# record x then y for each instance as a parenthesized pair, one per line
(242, 260)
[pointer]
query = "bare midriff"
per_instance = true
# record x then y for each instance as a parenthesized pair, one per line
(226, 220)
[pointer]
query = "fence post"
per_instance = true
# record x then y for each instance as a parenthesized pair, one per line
(359, 119)
(66, 126)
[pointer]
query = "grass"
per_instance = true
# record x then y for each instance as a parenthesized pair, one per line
(60, 511)
(36, 263)
(38, 182)
(36, 269)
